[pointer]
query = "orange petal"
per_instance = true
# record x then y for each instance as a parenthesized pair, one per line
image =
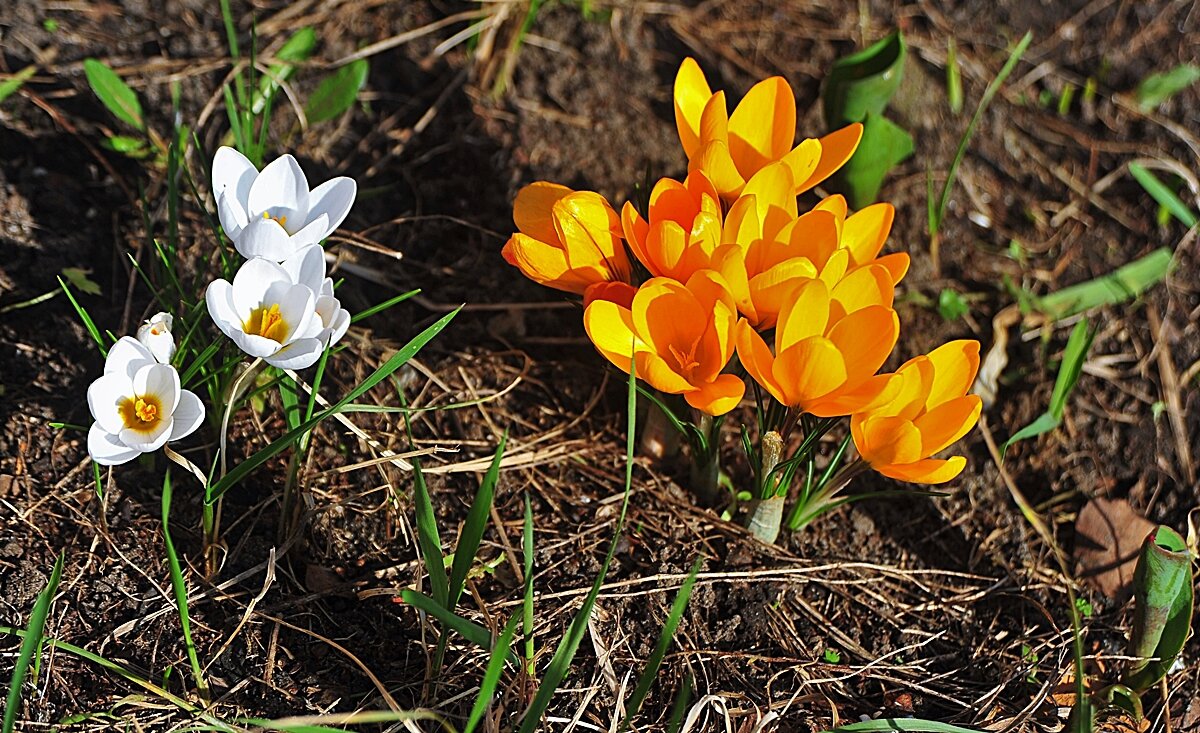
(757, 359)
(665, 244)
(890, 440)
(864, 286)
(803, 161)
(836, 149)
(763, 126)
(718, 396)
(544, 263)
(742, 225)
(533, 207)
(668, 316)
(774, 198)
(865, 232)
(774, 289)
(714, 121)
(590, 232)
(691, 93)
(654, 371)
(865, 339)
(809, 370)
(835, 204)
(620, 293)
(928, 471)
(610, 327)
(728, 260)
(806, 315)
(813, 235)
(714, 161)
(945, 424)
(913, 380)
(954, 367)
(872, 392)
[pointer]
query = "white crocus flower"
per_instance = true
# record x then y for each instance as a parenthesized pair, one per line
(272, 214)
(268, 315)
(307, 268)
(155, 335)
(138, 405)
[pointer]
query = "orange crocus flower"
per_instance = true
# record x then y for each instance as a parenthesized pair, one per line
(930, 410)
(682, 228)
(730, 149)
(568, 240)
(862, 235)
(679, 336)
(828, 345)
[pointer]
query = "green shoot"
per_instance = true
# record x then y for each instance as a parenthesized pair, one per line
(491, 675)
(30, 646)
(1163, 194)
(180, 587)
(954, 89)
(1124, 283)
(1068, 374)
(527, 601)
(10, 85)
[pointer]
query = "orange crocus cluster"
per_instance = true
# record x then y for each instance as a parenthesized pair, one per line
(804, 298)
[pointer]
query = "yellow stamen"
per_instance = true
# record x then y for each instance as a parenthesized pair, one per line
(281, 219)
(267, 321)
(686, 361)
(140, 413)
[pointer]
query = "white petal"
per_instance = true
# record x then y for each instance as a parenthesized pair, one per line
(254, 345)
(334, 319)
(148, 441)
(105, 396)
(299, 354)
(327, 287)
(313, 231)
(232, 215)
(107, 449)
(232, 175)
(307, 267)
(333, 198)
(155, 335)
(296, 309)
(281, 185)
(251, 283)
(265, 238)
(337, 329)
(219, 297)
(126, 357)
(188, 415)
(160, 381)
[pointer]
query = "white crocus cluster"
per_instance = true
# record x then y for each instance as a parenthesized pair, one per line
(272, 214)
(285, 314)
(138, 405)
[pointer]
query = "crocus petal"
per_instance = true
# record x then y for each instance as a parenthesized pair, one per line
(591, 234)
(865, 286)
(803, 161)
(313, 232)
(610, 327)
(254, 345)
(945, 424)
(635, 229)
(865, 232)
(332, 199)
(763, 126)
(654, 371)
(232, 176)
(809, 370)
(865, 338)
(150, 440)
(896, 264)
(836, 149)
(756, 357)
(126, 357)
(219, 298)
(665, 245)
(232, 215)
(265, 238)
(614, 292)
(106, 449)
(889, 440)
(299, 354)
(296, 308)
(774, 198)
(668, 316)
(954, 367)
(715, 162)
(718, 396)
(928, 471)
(253, 282)
(160, 381)
(691, 93)
(281, 185)
(307, 268)
(867, 396)
(774, 289)
(105, 396)
(188, 415)
(533, 209)
(714, 121)
(805, 316)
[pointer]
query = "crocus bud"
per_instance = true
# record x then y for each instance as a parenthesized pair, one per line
(155, 335)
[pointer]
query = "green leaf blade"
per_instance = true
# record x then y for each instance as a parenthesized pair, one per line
(114, 93)
(337, 92)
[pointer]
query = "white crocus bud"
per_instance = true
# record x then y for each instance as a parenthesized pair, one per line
(272, 214)
(138, 405)
(155, 335)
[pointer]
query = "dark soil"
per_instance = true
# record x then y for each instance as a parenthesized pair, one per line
(947, 607)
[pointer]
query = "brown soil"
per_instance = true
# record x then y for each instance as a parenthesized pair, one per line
(945, 607)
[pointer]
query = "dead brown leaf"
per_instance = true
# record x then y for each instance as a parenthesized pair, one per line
(1108, 535)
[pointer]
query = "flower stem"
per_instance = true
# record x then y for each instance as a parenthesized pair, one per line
(766, 514)
(659, 439)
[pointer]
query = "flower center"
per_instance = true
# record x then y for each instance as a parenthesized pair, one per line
(686, 360)
(267, 321)
(140, 413)
(282, 218)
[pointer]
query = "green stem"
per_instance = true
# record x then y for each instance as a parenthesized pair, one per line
(706, 464)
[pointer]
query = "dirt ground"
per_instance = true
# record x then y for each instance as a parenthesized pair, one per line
(945, 607)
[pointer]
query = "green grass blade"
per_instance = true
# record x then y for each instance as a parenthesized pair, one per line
(954, 90)
(88, 323)
(30, 646)
(399, 359)
(296, 49)
(679, 708)
(1069, 370)
(491, 675)
(984, 101)
(1161, 193)
(474, 526)
(1124, 283)
(650, 672)
(114, 93)
(560, 663)
(527, 600)
(336, 93)
(429, 540)
(180, 588)
(9, 86)
(1158, 88)
(383, 306)
(469, 630)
